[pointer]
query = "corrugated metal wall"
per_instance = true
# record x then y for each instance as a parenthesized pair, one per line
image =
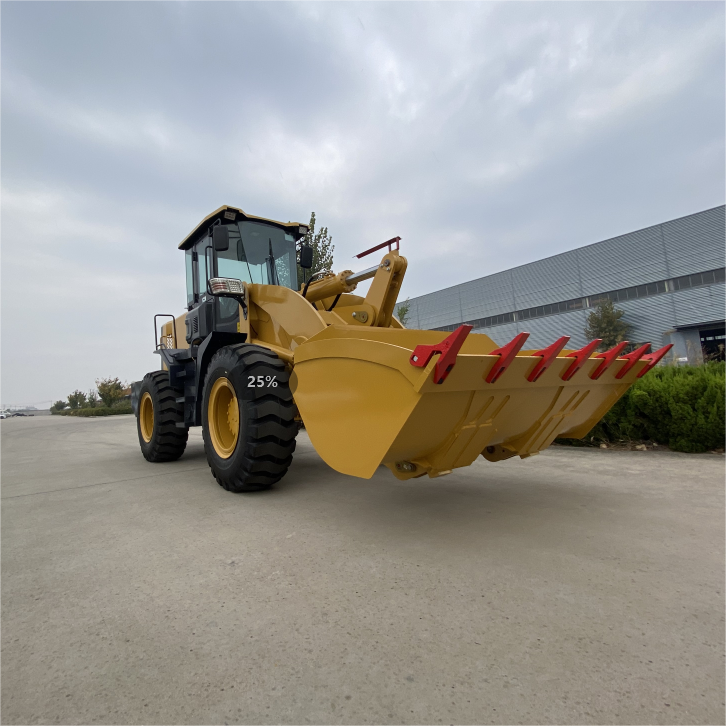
(549, 280)
(699, 305)
(478, 301)
(682, 246)
(501, 334)
(695, 243)
(631, 259)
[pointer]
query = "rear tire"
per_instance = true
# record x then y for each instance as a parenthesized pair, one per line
(249, 429)
(159, 436)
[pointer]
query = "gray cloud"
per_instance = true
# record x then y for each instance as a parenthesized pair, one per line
(486, 135)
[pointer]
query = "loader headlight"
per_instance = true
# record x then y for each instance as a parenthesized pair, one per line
(302, 229)
(226, 286)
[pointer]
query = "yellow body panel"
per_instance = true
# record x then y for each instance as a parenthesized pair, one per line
(282, 316)
(175, 338)
(364, 404)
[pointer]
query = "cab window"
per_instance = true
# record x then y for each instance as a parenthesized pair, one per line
(259, 253)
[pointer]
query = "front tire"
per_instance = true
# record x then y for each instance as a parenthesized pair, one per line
(159, 436)
(248, 418)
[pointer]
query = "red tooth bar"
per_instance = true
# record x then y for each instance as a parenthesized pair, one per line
(608, 357)
(506, 355)
(580, 357)
(653, 359)
(448, 348)
(547, 354)
(632, 359)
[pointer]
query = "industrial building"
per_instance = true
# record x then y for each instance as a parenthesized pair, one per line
(668, 279)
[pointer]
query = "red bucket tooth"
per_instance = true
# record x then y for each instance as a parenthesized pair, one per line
(609, 357)
(448, 348)
(547, 355)
(506, 354)
(580, 357)
(653, 359)
(632, 359)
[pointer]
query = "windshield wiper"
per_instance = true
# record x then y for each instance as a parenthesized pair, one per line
(272, 270)
(241, 249)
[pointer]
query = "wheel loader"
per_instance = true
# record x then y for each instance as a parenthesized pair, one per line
(256, 356)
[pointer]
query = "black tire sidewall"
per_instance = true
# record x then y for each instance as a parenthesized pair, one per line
(148, 385)
(168, 439)
(224, 367)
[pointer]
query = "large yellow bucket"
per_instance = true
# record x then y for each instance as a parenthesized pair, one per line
(365, 402)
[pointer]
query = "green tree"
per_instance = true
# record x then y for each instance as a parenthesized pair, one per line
(58, 406)
(322, 243)
(606, 322)
(402, 311)
(92, 399)
(77, 399)
(110, 390)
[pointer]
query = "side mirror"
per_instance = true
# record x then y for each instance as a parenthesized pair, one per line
(306, 257)
(220, 238)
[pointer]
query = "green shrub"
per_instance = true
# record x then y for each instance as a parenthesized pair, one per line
(119, 408)
(682, 407)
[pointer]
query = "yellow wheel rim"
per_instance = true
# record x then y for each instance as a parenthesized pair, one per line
(146, 417)
(223, 418)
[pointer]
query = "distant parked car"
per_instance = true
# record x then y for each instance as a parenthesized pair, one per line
(20, 413)
(3, 415)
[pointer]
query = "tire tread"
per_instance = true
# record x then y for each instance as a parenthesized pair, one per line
(269, 436)
(171, 441)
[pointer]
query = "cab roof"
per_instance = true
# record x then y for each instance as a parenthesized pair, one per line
(235, 214)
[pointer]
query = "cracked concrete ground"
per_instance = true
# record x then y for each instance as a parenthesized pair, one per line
(578, 586)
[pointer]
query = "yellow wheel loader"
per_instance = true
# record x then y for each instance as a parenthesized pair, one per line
(256, 355)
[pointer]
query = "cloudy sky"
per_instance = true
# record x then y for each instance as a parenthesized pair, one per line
(486, 135)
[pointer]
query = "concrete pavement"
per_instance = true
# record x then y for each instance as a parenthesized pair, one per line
(578, 586)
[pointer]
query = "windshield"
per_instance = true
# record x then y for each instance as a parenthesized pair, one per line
(259, 253)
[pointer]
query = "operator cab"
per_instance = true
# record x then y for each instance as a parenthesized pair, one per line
(260, 251)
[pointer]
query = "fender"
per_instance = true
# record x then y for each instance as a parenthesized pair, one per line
(210, 345)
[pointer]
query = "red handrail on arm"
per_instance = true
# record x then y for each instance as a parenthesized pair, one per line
(389, 243)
